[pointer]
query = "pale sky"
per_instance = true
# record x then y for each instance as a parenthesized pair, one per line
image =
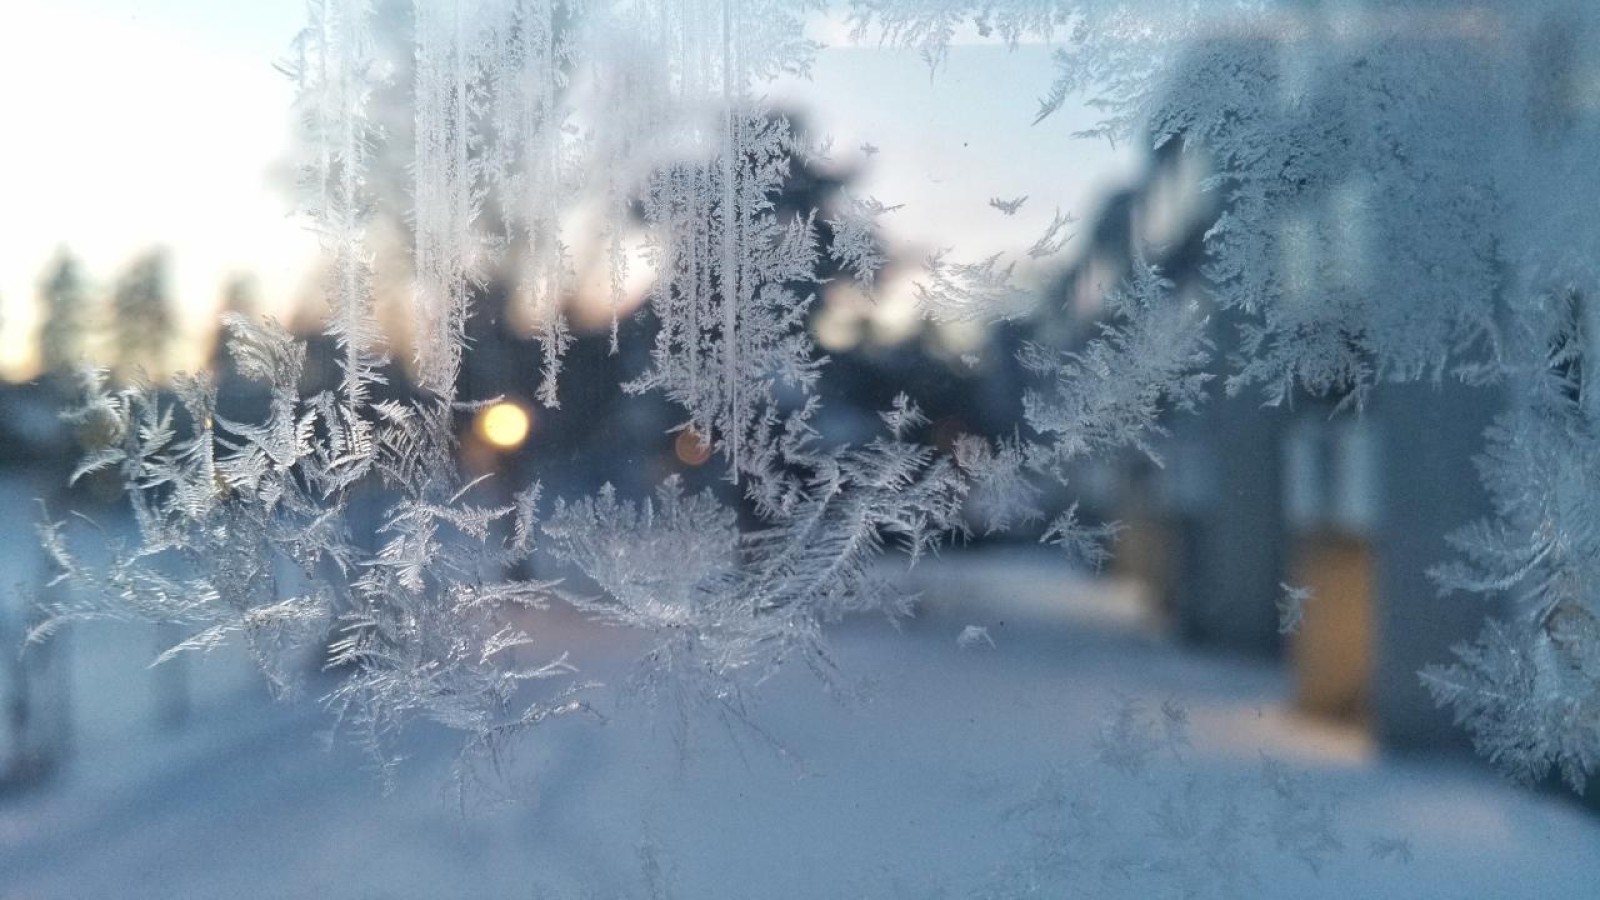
(134, 123)
(949, 142)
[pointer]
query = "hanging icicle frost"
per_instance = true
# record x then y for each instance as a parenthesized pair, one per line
(649, 111)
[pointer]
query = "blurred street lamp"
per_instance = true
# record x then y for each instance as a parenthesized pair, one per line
(690, 449)
(503, 425)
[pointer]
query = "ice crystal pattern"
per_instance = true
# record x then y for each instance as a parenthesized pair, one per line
(1406, 194)
(1088, 829)
(242, 533)
(1368, 235)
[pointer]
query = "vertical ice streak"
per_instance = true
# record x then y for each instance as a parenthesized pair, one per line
(545, 189)
(446, 193)
(730, 240)
(553, 334)
(531, 51)
(335, 73)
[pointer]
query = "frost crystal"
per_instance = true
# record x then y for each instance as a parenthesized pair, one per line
(1008, 207)
(972, 636)
(243, 526)
(1402, 197)
(1397, 849)
(1369, 232)
(1143, 821)
(1292, 608)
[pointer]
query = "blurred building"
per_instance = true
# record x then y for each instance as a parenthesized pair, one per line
(1353, 504)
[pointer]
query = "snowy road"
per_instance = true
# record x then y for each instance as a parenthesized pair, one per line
(928, 784)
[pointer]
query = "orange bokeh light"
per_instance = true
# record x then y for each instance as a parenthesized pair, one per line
(690, 449)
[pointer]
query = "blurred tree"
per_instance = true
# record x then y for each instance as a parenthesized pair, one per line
(64, 298)
(241, 295)
(142, 309)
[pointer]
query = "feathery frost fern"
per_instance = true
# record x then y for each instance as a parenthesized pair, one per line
(1475, 205)
(242, 527)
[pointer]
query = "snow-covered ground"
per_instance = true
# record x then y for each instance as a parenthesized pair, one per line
(946, 772)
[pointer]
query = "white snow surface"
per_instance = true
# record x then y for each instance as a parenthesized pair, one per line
(908, 789)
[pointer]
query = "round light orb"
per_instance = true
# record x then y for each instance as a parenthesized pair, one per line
(690, 449)
(504, 425)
